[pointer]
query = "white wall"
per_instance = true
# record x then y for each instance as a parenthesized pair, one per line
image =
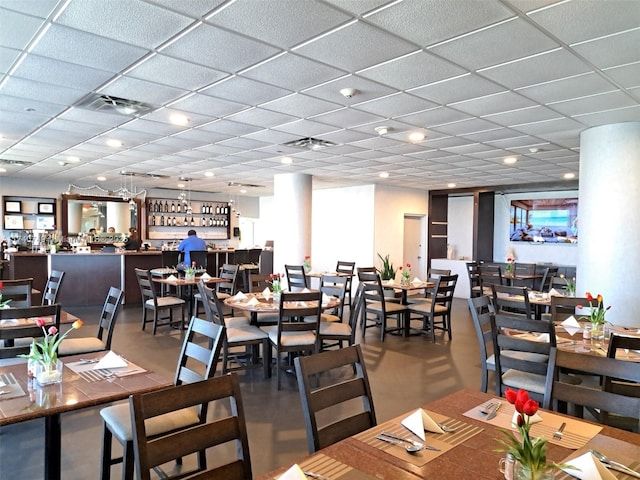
(460, 226)
(559, 254)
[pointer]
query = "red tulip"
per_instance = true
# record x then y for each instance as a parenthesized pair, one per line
(53, 330)
(408, 265)
(589, 297)
(530, 407)
(400, 267)
(521, 399)
(520, 420)
(511, 395)
(41, 322)
(0, 285)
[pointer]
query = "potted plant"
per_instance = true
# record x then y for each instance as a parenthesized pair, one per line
(387, 272)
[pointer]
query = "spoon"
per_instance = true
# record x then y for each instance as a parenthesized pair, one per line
(408, 448)
(612, 464)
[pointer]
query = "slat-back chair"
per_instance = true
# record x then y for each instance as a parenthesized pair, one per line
(12, 331)
(19, 291)
(52, 288)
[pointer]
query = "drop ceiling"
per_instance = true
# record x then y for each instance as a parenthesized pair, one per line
(481, 79)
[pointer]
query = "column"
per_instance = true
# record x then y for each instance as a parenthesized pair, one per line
(609, 219)
(292, 207)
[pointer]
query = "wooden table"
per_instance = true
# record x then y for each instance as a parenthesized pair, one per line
(404, 292)
(189, 283)
(361, 457)
(74, 393)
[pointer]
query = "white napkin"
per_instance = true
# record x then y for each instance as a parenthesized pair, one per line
(419, 421)
(110, 360)
(590, 468)
(294, 473)
(533, 419)
(172, 278)
(571, 325)
(416, 280)
(387, 282)
(253, 301)
(206, 277)
(543, 338)
(326, 299)
(266, 293)
(555, 293)
(305, 290)
(239, 297)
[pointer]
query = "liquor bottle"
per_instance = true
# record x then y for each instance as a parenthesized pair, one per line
(174, 221)
(186, 222)
(217, 209)
(166, 207)
(226, 209)
(226, 222)
(192, 222)
(153, 220)
(173, 206)
(211, 221)
(179, 207)
(162, 220)
(204, 222)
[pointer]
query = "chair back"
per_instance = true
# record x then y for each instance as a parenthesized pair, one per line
(200, 351)
(372, 290)
(559, 392)
(108, 316)
(444, 292)
(527, 270)
(474, 278)
(547, 279)
(352, 384)
(482, 310)
(489, 275)
(622, 344)
(521, 359)
(8, 334)
(171, 258)
(295, 306)
(19, 291)
(335, 286)
(258, 282)
(223, 393)
(254, 256)
(437, 272)
(356, 312)
(147, 288)
(52, 288)
(512, 300)
(230, 275)
(345, 267)
(296, 277)
(200, 257)
(213, 307)
(565, 307)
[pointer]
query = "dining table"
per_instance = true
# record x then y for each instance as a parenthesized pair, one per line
(404, 289)
(469, 451)
(22, 399)
(190, 283)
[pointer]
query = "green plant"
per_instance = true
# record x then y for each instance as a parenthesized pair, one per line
(387, 272)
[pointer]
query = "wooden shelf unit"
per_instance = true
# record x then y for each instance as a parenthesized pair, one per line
(29, 213)
(167, 219)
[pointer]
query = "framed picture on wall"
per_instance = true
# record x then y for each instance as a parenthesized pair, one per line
(45, 208)
(13, 206)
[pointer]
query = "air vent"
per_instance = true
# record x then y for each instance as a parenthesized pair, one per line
(248, 185)
(108, 103)
(22, 163)
(145, 175)
(310, 143)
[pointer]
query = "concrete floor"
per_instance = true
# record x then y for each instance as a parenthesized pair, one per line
(404, 373)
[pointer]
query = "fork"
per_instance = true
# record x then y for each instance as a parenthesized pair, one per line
(558, 434)
(446, 428)
(485, 409)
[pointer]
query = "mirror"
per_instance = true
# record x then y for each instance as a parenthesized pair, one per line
(80, 213)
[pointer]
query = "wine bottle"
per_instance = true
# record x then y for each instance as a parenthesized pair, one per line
(204, 222)
(192, 222)
(162, 220)
(153, 220)
(173, 206)
(166, 206)
(179, 207)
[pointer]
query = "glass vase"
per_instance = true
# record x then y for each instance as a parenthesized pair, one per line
(405, 281)
(190, 276)
(48, 373)
(597, 331)
(521, 472)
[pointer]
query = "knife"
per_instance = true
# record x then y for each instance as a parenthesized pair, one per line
(622, 468)
(408, 440)
(494, 411)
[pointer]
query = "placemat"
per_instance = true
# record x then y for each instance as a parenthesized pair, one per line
(86, 370)
(331, 468)
(575, 435)
(443, 441)
(633, 465)
(11, 387)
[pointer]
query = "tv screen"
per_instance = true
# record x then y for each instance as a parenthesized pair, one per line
(548, 220)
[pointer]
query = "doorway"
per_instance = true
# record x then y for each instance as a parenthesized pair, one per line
(414, 248)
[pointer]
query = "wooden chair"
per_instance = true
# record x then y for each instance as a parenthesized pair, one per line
(481, 312)
(16, 340)
(474, 279)
(106, 325)
(338, 386)
(337, 333)
(296, 277)
(240, 334)
(151, 301)
(521, 362)
(334, 286)
(620, 344)
(436, 312)
(197, 361)
(565, 307)
(546, 283)
(152, 450)
(257, 283)
(348, 269)
(19, 291)
(376, 305)
(171, 258)
(559, 393)
(52, 288)
(292, 334)
(525, 270)
(489, 275)
(512, 300)
(224, 289)
(200, 257)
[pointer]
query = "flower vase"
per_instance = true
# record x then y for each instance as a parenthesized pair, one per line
(521, 472)
(48, 373)
(405, 281)
(276, 297)
(597, 331)
(190, 276)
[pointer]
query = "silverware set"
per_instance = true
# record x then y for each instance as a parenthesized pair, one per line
(558, 434)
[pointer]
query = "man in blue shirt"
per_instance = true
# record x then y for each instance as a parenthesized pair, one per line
(192, 242)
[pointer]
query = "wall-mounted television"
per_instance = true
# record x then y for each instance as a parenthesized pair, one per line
(544, 220)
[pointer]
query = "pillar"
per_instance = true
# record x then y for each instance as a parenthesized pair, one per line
(292, 206)
(609, 219)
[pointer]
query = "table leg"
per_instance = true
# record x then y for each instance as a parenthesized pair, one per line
(52, 447)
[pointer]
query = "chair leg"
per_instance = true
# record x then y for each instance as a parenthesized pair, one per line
(155, 320)
(225, 358)
(127, 461)
(484, 375)
(144, 317)
(105, 466)
(266, 358)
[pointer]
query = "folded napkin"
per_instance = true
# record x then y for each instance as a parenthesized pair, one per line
(555, 293)
(326, 299)
(206, 277)
(254, 301)
(305, 290)
(172, 278)
(388, 282)
(110, 360)
(533, 419)
(266, 293)
(543, 338)
(239, 297)
(419, 421)
(294, 473)
(588, 467)
(416, 280)
(571, 325)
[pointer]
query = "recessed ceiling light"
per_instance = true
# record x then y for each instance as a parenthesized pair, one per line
(510, 160)
(73, 159)
(534, 149)
(382, 130)
(101, 178)
(181, 185)
(62, 162)
(286, 160)
(569, 176)
(243, 190)
(179, 119)
(112, 142)
(451, 185)
(416, 136)
(3, 170)
(384, 175)
(209, 174)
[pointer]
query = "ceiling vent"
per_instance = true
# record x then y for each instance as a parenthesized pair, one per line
(247, 185)
(310, 143)
(22, 163)
(111, 104)
(145, 175)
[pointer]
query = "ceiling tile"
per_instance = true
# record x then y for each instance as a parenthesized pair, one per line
(567, 88)
(206, 105)
(612, 51)
(348, 118)
(301, 105)
(143, 91)
(626, 75)
(176, 73)
(596, 103)
(244, 90)
(17, 29)
(395, 105)
(457, 89)
(499, 102)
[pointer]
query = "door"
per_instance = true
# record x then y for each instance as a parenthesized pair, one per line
(414, 252)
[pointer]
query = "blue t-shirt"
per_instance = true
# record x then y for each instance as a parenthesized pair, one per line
(192, 242)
